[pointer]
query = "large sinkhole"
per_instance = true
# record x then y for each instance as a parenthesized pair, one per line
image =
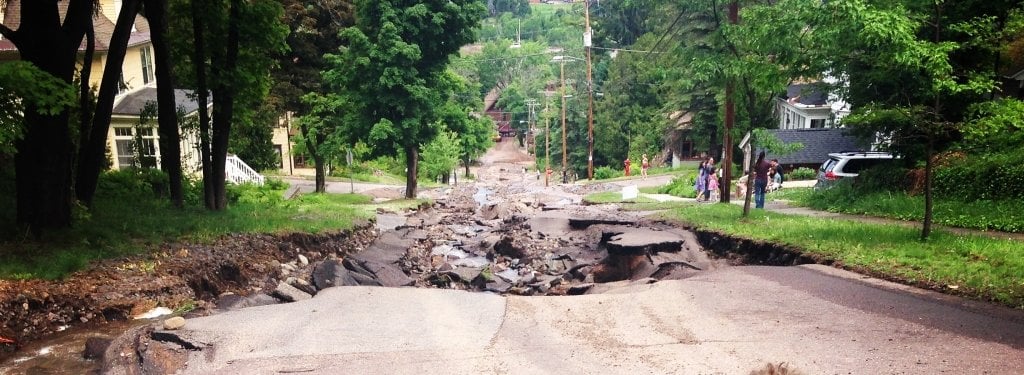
(549, 252)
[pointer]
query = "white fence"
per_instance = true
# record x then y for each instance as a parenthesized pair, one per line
(238, 172)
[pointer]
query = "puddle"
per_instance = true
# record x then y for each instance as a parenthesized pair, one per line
(62, 352)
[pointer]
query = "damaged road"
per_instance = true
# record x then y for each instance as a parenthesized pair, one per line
(504, 275)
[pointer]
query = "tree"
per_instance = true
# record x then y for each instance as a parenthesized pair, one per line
(43, 163)
(224, 49)
(167, 116)
(395, 58)
(92, 151)
(440, 156)
(314, 30)
(21, 84)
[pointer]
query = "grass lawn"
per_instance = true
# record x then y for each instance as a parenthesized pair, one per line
(977, 267)
(119, 227)
(1007, 216)
(614, 197)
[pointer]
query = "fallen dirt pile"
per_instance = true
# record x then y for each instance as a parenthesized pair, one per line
(177, 276)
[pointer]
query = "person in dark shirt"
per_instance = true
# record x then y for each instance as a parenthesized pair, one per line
(761, 168)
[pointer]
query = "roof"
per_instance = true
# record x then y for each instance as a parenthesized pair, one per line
(132, 103)
(806, 94)
(102, 26)
(818, 143)
(681, 120)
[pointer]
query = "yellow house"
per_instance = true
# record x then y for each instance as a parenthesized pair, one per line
(137, 87)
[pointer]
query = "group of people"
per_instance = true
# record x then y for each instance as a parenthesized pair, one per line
(768, 177)
(707, 181)
(645, 164)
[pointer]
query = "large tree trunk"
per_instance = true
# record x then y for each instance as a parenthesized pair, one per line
(223, 106)
(411, 162)
(167, 113)
(93, 152)
(202, 99)
(926, 227)
(312, 146)
(85, 105)
(43, 162)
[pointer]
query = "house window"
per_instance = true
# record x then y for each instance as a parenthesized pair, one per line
(300, 161)
(147, 64)
(817, 123)
(127, 144)
(124, 149)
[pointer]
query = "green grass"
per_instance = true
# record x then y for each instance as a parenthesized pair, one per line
(974, 266)
(120, 226)
(1005, 215)
(614, 197)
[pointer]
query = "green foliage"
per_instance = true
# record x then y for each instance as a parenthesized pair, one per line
(995, 125)
(981, 267)
(133, 182)
(393, 71)
(681, 186)
(254, 194)
(884, 177)
(440, 156)
(997, 176)
(604, 173)
(21, 84)
(802, 173)
(965, 212)
(136, 223)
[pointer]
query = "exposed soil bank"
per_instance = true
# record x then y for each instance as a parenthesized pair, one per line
(177, 276)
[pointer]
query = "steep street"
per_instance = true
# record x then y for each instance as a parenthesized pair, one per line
(517, 278)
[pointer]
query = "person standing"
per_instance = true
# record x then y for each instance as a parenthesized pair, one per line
(713, 184)
(779, 171)
(761, 168)
(644, 164)
(701, 181)
(627, 164)
(709, 170)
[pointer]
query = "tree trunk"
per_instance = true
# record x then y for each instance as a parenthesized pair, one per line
(85, 105)
(750, 182)
(202, 100)
(223, 106)
(411, 162)
(926, 228)
(730, 120)
(43, 162)
(466, 162)
(94, 151)
(167, 112)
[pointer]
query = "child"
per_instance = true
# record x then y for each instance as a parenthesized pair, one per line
(713, 185)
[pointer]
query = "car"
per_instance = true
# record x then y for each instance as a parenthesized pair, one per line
(845, 165)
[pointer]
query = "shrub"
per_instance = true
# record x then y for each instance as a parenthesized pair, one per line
(884, 177)
(681, 186)
(606, 172)
(133, 182)
(253, 194)
(982, 177)
(802, 174)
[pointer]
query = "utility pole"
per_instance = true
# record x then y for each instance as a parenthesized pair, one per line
(547, 140)
(587, 43)
(730, 120)
(565, 151)
(531, 135)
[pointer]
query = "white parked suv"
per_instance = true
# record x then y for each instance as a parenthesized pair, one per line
(842, 165)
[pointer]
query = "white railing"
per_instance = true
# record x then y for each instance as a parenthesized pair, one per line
(236, 171)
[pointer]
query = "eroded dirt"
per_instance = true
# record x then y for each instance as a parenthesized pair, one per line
(177, 275)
